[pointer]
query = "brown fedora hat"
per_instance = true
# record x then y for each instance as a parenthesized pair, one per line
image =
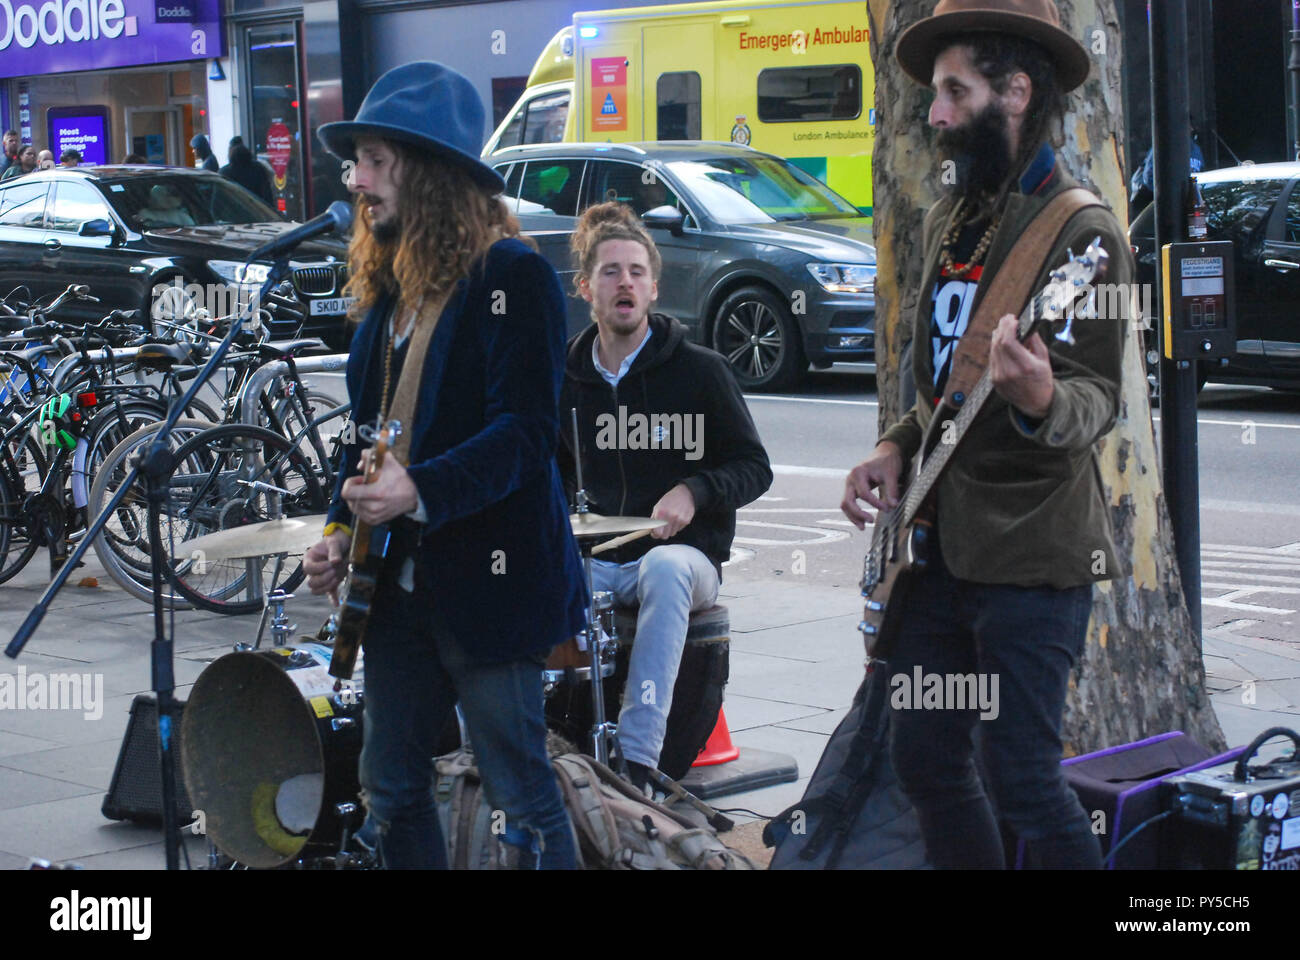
(1036, 20)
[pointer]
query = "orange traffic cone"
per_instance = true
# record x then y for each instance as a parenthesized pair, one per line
(719, 748)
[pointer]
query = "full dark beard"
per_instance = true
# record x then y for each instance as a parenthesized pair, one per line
(980, 151)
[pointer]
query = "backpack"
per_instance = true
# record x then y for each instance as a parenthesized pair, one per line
(853, 815)
(617, 828)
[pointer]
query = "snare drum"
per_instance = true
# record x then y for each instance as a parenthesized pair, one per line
(574, 654)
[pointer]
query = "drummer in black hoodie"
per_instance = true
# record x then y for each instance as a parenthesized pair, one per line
(665, 433)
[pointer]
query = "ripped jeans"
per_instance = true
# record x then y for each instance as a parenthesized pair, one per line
(415, 671)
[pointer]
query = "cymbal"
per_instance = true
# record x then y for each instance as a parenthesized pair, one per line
(293, 535)
(594, 525)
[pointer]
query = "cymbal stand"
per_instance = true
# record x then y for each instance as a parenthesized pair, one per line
(603, 733)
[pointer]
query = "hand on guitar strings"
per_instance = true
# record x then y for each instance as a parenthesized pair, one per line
(392, 493)
(1021, 373)
(880, 470)
(326, 564)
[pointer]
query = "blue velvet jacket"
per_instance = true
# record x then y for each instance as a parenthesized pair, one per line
(496, 555)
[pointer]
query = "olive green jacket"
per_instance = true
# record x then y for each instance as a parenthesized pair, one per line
(1016, 505)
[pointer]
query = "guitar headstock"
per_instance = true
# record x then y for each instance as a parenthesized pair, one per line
(1055, 305)
(380, 438)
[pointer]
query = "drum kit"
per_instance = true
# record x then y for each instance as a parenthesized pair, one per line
(270, 741)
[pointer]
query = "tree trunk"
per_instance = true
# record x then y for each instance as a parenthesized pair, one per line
(1142, 672)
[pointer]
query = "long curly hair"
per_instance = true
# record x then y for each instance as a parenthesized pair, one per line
(447, 223)
(608, 221)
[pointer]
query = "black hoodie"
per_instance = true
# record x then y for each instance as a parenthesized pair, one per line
(677, 416)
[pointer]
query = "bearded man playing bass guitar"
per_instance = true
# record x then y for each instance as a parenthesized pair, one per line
(1021, 528)
(482, 575)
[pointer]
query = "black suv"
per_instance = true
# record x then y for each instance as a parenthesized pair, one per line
(164, 240)
(761, 261)
(1257, 207)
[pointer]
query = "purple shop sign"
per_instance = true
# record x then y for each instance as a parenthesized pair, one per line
(39, 37)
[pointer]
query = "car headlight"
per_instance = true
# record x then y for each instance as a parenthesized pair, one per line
(233, 271)
(845, 277)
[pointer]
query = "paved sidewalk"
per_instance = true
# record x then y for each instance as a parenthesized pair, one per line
(796, 660)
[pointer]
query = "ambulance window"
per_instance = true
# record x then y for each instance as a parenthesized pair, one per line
(551, 186)
(794, 94)
(513, 132)
(545, 120)
(678, 96)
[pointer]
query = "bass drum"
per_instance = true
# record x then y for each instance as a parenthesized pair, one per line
(697, 694)
(270, 751)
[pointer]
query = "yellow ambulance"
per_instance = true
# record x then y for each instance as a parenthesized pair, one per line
(793, 79)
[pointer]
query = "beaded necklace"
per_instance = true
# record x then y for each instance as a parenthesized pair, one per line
(388, 356)
(945, 251)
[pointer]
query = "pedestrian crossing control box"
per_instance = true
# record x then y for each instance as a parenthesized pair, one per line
(1200, 313)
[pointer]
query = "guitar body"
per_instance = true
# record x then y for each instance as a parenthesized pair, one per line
(897, 557)
(346, 630)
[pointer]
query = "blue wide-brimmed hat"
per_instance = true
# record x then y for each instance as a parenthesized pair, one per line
(425, 104)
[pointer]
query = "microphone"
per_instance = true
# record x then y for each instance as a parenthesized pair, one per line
(337, 217)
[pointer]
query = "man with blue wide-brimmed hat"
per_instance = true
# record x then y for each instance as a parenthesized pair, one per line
(482, 576)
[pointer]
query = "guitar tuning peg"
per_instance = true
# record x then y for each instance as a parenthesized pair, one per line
(1067, 333)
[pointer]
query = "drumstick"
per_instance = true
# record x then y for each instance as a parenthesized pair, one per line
(619, 541)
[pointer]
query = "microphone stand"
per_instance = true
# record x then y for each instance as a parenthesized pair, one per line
(155, 465)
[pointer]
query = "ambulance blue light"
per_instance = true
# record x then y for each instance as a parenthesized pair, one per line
(587, 33)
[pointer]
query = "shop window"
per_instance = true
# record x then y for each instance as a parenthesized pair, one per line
(793, 94)
(678, 102)
(23, 205)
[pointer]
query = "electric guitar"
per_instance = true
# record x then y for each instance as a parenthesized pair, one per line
(346, 629)
(902, 537)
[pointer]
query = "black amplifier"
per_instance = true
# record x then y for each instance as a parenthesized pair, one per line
(1235, 816)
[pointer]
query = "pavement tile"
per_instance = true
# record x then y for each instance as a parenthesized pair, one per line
(86, 763)
(22, 789)
(746, 712)
(824, 722)
(68, 830)
(814, 640)
(148, 856)
(70, 726)
(15, 744)
(10, 861)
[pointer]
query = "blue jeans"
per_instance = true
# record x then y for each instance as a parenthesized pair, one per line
(1022, 642)
(415, 671)
(668, 583)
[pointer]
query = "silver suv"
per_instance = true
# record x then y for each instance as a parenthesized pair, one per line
(762, 261)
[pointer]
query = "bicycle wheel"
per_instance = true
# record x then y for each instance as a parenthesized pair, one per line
(23, 464)
(222, 480)
(123, 545)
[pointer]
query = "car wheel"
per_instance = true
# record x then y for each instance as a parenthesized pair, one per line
(173, 302)
(754, 330)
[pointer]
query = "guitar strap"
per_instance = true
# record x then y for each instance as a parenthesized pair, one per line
(1009, 290)
(408, 381)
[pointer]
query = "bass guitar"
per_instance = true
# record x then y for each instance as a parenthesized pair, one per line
(902, 536)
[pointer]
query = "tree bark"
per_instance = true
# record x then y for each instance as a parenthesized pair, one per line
(1142, 672)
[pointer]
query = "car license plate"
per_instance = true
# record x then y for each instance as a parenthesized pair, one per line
(331, 305)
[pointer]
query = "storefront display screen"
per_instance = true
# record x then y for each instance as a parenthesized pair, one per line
(84, 129)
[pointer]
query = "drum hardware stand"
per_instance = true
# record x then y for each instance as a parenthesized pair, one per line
(604, 734)
(273, 604)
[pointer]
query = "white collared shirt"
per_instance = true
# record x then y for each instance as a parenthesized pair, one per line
(613, 378)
